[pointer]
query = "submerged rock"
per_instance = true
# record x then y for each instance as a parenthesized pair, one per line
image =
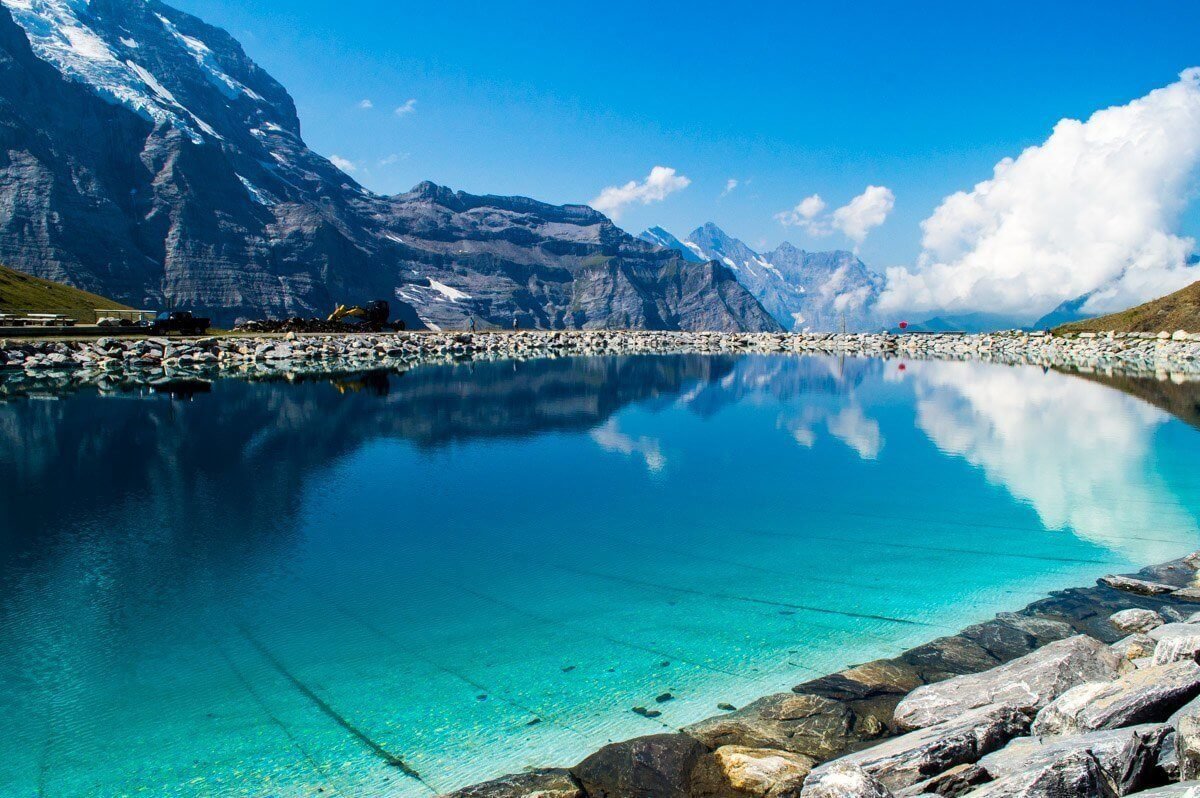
(1027, 683)
(551, 783)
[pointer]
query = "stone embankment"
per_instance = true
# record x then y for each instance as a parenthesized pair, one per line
(114, 361)
(1092, 692)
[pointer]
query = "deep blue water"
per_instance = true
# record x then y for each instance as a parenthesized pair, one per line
(278, 587)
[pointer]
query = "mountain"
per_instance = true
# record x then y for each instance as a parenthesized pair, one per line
(661, 238)
(144, 156)
(1068, 311)
(1177, 311)
(801, 290)
(839, 288)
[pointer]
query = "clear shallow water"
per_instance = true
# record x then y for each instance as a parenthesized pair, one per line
(278, 588)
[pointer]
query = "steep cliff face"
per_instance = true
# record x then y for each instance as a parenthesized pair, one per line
(144, 156)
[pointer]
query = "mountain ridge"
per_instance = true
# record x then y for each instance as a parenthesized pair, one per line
(151, 160)
(801, 290)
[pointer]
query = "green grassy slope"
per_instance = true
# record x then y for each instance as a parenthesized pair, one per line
(20, 293)
(1177, 311)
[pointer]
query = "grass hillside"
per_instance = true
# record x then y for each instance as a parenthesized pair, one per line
(1177, 311)
(20, 293)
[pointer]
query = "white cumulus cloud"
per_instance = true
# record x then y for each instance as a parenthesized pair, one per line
(1092, 210)
(409, 107)
(730, 185)
(864, 213)
(366, 105)
(855, 219)
(345, 164)
(661, 182)
(805, 215)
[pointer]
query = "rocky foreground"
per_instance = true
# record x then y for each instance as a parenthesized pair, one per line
(1091, 692)
(116, 362)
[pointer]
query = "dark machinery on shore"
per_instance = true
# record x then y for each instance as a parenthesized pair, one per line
(373, 316)
(370, 317)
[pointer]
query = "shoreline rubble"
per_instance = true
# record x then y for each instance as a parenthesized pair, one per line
(108, 362)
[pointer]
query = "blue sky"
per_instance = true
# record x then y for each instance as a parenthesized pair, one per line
(559, 101)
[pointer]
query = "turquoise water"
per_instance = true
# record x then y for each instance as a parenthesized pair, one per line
(397, 584)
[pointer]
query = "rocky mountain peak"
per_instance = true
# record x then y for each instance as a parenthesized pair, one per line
(150, 160)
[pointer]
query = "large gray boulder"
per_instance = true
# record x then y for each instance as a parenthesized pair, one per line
(657, 766)
(911, 758)
(844, 780)
(1142, 696)
(1135, 620)
(1141, 587)
(734, 771)
(1027, 683)
(1185, 789)
(1133, 648)
(1127, 757)
(1175, 641)
(1078, 775)
(1187, 740)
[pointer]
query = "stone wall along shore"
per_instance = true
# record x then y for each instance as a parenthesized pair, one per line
(116, 361)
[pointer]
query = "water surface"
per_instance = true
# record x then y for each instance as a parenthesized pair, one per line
(396, 584)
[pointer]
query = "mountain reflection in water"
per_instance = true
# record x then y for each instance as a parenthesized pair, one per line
(483, 567)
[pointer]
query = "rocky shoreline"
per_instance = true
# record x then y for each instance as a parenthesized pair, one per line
(117, 362)
(1089, 692)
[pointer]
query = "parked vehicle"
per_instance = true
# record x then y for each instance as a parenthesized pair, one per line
(179, 321)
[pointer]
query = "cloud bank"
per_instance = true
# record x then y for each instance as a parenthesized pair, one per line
(1091, 211)
(855, 220)
(661, 182)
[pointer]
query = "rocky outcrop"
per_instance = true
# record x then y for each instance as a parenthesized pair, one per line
(1138, 697)
(160, 166)
(1027, 683)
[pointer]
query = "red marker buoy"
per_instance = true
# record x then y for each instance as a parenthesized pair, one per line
(903, 367)
(903, 325)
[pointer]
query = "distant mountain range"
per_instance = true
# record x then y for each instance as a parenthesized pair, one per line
(801, 290)
(145, 157)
